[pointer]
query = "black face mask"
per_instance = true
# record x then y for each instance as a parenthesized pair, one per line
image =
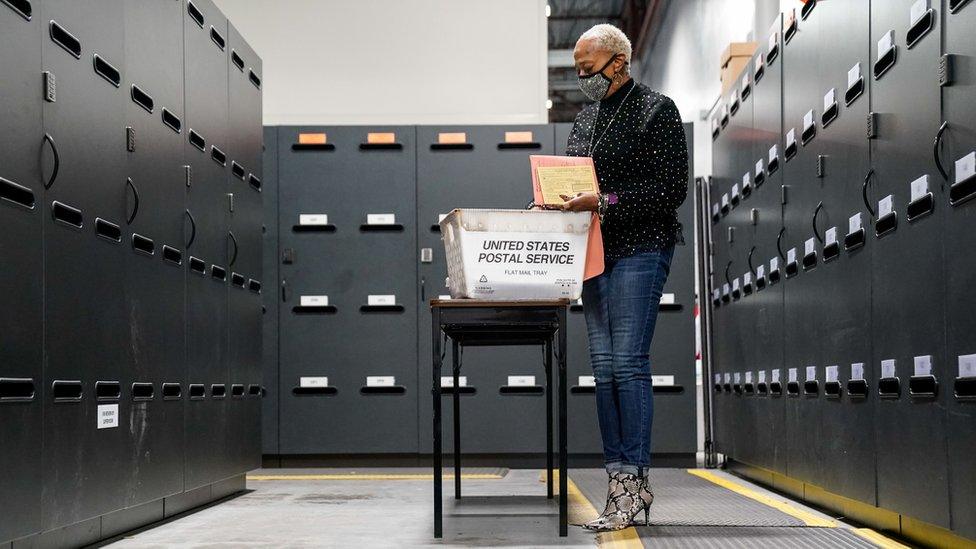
(593, 88)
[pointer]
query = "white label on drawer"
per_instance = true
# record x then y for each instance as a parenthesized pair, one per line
(854, 223)
(792, 375)
(857, 370)
(762, 376)
(725, 289)
(313, 219)
(967, 366)
(811, 373)
(448, 381)
(715, 124)
(718, 378)
(314, 301)
(715, 294)
(380, 300)
(735, 191)
(521, 381)
(918, 10)
(715, 209)
(728, 377)
(888, 368)
(444, 297)
(380, 219)
(808, 119)
(440, 217)
(920, 187)
(886, 43)
(829, 99)
(830, 237)
(736, 378)
(774, 264)
(380, 381)
(735, 285)
(759, 167)
(885, 205)
(809, 246)
(590, 381)
(791, 138)
(773, 152)
(313, 381)
(745, 82)
(667, 299)
(775, 374)
(761, 271)
(791, 256)
(108, 416)
(923, 365)
(746, 180)
(966, 167)
(749, 377)
(853, 75)
(773, 39)
(725, 200)
(832, 374)
(662, 381)
(747, 279)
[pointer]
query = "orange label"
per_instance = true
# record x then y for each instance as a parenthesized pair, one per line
(376, 138)
(452, 138)
(518, 137)
(311, 139)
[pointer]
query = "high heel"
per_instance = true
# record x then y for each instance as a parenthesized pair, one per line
(647, 497)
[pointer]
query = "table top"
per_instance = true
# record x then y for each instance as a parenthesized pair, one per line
(461, 303)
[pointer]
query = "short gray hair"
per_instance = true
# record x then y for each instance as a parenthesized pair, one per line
(609, 38)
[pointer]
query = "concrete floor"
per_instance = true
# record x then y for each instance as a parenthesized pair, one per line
(392, 508)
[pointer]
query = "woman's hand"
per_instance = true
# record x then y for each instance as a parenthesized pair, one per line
(582, 202)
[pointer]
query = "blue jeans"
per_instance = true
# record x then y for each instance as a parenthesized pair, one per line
(621, 308)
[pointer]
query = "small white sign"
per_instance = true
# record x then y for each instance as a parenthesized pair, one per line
(313, 381)
(967, 366)
(923, 365)
(746, 180)
(831, 236)
(831, 374)
(749, 378)
(773, 39)
(747, 279)
(886, 43)
(380, 300)
(590, 381)
(808, 120)
(760, 61)
(885, 206)
(853, 75)
(380, 381)
(725, 200)
(854, 223)
(888, 368)
(775, 374)
(761, 271)
(314, 301)
(718, 378)
(830, 98)
(809, 246)
(448, 381)
(920, 187)
(313, 219)
(745, 83)
(774, 264)
(444, 297)
(737, 378)
(725, 289)
(521, 381)
(918, 11)
(966, 167)
(715, 209)
(662, 381)
(380, 219)
(857, 370)
(762, 376)
(667, 299)
(811, 373)
(791, 256)
(735, 190)
(734, 97)
(108, 416)
(791, 138)
(728, 377)
(715, 294)
(792, 375)
(759, 167)
(735, 285)
(773, 152)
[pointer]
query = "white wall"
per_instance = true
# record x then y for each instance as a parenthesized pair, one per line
(398, 61)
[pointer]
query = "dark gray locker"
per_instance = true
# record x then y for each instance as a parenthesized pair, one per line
(803, 285)
(486, 172)
(84, 209)
(847, 449)
(908, 278)
(959, 103)
(245, 137)
(364, 261)
(270, 294)
(153, 239)
(21, 207)
(207, 243)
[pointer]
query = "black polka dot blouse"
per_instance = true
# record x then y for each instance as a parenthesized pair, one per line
(643, 159)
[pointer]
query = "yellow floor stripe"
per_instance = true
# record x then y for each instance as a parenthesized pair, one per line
(581, 510)
(371, 476)
(879, 539)
(808, 518)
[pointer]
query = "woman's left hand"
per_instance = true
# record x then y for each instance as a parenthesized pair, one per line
(582, 202)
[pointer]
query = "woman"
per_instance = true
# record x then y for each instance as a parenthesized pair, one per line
(637, 143)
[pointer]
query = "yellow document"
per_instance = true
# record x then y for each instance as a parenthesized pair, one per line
(565, 180)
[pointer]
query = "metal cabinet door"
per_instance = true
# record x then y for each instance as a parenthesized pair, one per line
(83, 49)
(959, 104)
(848, 451)
(488, 174)
(205, 128)
(367, 188)
(270, 294)
(22, 392)
(908, 292)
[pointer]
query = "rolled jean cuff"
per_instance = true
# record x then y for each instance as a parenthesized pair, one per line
(630, 469)
(613, 466)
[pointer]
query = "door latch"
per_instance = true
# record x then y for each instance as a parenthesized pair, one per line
(188, 175)
(821, 161)
(946, 72)
(288, 256)
(230, 202)
(426, 255)
(130, 139)
(872, 128)
(50, 87)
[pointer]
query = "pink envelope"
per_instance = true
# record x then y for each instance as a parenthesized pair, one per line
(594, 249)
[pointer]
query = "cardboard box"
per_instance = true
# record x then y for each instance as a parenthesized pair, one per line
(732, 72)
(738, 49)
(734, 59)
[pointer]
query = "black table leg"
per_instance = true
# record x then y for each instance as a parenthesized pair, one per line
(436, 394)
(457, 423)
(549, 434)
(563, 446)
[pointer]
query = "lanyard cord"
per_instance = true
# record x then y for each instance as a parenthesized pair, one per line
(592, 146)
